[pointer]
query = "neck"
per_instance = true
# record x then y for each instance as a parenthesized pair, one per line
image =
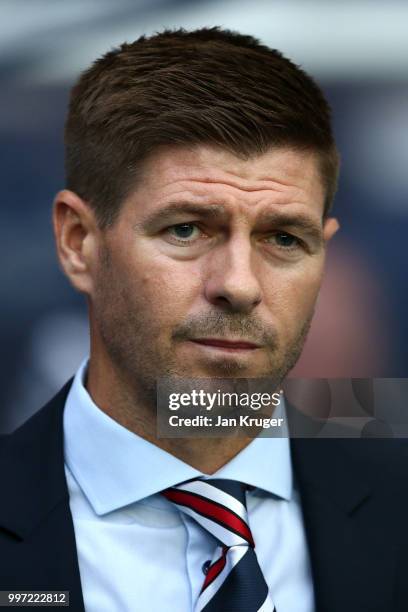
(129, 408)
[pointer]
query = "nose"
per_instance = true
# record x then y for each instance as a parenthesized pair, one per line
(231, 281)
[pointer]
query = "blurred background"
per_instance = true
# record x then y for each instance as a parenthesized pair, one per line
(358, 52)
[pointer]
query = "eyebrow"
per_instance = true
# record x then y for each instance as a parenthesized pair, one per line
(218, 211)
(206, 211)
(295, 220)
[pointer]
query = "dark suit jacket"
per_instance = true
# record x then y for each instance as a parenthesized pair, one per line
(354, 497)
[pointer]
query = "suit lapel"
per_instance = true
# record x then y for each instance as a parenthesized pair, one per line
(36, 528)
(353, 557)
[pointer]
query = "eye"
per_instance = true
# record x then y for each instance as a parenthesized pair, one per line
(184, 233)
(285, 241)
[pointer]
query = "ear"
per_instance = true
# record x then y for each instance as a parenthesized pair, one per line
(76, 235)
(330, 227)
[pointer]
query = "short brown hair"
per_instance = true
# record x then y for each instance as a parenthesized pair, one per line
(208, 86)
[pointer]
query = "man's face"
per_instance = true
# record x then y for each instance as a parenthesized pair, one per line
(213, 266)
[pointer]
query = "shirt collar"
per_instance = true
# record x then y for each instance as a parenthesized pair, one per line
(115, 467)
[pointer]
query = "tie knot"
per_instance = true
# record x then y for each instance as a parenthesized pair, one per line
(218, 505)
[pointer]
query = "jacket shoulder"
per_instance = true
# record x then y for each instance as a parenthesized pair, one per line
(38, 424)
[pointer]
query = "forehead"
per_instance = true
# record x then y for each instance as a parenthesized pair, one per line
(281, 177)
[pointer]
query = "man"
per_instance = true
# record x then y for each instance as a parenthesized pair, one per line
(201, 169)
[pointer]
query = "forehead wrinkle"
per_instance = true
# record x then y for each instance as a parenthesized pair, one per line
(280, 169)
(231, 195)
(239, 194)
(187, 196)
(221, 202)
(210, 175)
(266, 185)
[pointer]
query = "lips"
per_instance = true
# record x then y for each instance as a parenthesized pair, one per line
(227, 344)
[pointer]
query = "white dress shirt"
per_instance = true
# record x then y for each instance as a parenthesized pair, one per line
(137, 552)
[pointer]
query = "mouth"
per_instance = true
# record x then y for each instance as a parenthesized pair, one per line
(227, 345)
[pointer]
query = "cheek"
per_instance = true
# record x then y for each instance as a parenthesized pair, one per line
(291, 297)
(168, 289)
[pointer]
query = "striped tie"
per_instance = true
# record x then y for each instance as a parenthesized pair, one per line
(234, 580)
